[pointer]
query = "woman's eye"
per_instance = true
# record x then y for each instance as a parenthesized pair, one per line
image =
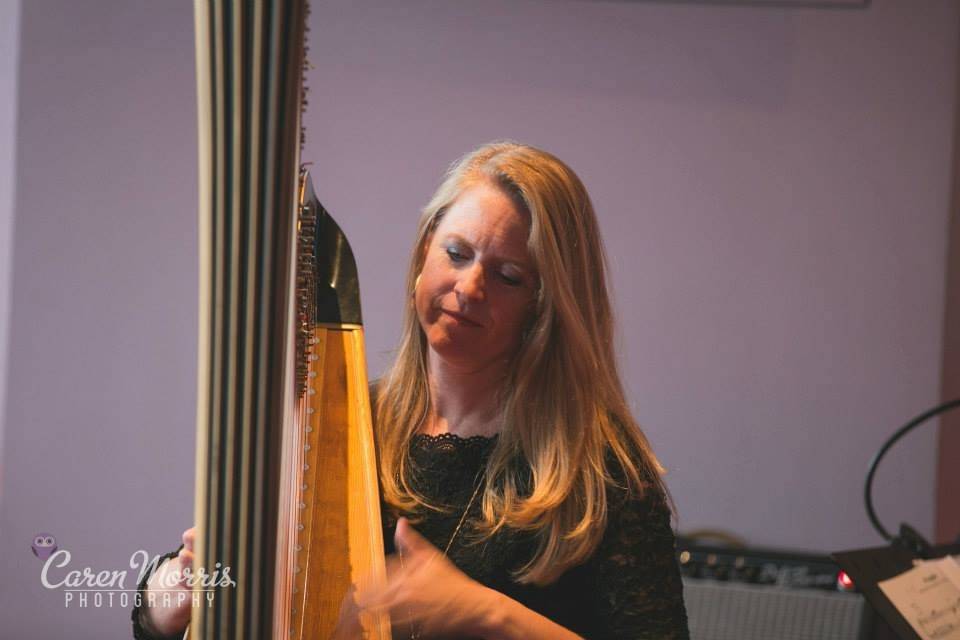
(455, 255)
(511, 281)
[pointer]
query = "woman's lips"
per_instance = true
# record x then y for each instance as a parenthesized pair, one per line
(461, 318)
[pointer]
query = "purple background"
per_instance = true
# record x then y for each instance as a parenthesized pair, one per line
(773, 187)
(9, 60)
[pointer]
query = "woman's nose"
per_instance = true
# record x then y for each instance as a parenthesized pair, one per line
(471, 285)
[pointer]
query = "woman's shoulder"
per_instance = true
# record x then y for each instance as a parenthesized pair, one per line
(637, 519)
(635, 568)
(638, 531)
(646, 495)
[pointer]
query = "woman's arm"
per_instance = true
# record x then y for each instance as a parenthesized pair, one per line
(637, 583)
(631, 585)
(159, 618)
(430, 595)
(503, 618)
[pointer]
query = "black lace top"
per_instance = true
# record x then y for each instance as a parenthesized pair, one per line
(630, 587)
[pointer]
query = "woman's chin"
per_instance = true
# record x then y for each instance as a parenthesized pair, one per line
(463, 355)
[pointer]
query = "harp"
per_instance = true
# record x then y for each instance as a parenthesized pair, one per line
(286, 495)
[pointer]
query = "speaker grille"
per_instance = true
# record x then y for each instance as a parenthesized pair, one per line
(726, 611)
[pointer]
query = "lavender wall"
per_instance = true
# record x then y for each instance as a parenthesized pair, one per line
(9, 59)
(773, 187)
(100, 409)
(772, 184)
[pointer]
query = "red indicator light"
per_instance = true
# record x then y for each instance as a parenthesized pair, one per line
(844, 583)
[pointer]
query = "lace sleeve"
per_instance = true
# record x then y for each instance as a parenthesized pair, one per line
(141, 632)
(640, 593)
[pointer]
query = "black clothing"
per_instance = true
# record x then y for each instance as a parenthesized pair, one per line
(139, 633)
(629, 588)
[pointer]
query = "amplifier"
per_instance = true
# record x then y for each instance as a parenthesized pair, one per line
(760, 594)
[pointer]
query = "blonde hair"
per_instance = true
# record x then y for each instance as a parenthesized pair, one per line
(564, 411)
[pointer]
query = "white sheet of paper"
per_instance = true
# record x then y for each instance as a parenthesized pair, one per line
(950, 568)
(928, 598)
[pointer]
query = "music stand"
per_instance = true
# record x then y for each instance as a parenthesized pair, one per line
(868, 567)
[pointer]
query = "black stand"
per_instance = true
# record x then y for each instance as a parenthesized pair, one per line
(868, 567)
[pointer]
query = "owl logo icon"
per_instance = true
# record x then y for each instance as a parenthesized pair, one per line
(44, 544)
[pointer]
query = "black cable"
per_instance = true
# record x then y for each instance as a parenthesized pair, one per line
(902, 431)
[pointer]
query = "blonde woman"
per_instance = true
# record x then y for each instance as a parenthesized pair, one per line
(521, 499)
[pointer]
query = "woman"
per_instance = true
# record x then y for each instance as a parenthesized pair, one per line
(532, 503)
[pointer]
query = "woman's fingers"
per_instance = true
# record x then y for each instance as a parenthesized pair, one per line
(394, 565)
(185, 556)
(185, 559)
(408, 541)
(348, 622)
(377, 597)
(188, 537)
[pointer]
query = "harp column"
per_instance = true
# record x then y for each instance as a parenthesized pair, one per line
(249, 69)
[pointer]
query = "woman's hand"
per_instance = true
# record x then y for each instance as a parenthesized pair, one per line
(166, 617)
(427, 593)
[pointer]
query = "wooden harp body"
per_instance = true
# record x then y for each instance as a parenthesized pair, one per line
(287, 501)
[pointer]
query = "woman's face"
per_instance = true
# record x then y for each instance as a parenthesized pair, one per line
(476, 291)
